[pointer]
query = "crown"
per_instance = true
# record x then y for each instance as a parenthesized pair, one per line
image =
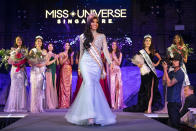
(148, 36)
(39, 37)
(91, 16)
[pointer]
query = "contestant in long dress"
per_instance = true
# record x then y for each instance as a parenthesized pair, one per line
(115, 78)
(90, 106)
(149, 97)
(51, 92)
(65, 90)
(103, 82)
(37, 79)
(17, 99)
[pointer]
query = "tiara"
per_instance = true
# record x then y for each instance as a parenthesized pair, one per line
(148, 36)
(91, 16)
(39, 37)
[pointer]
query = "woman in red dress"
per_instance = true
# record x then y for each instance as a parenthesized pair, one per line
(66, 61)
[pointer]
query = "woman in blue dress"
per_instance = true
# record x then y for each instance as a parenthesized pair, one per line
(90, 106)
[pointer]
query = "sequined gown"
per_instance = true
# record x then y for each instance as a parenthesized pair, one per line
(17, 99)
(91, 101)
(37, 89)
(65, 85)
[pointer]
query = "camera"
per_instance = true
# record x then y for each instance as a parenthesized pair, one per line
(166, 59)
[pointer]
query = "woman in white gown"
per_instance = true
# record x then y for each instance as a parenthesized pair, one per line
(90, 106)
(17, 99)
(37, 79)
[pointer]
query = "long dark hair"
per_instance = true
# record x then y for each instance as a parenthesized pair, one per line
(117, 49)
(15, 44)
(88, 34)
(69, 51)
(181, 40)
(151, 48)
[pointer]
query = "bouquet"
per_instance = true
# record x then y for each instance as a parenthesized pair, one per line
(183, 51)
(18, 57)
(37, 57)
(4, 54)
(139, 60)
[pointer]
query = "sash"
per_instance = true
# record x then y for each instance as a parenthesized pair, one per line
(148, 61)
(93, 51)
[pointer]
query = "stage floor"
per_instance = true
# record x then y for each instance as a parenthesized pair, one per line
(54, 120)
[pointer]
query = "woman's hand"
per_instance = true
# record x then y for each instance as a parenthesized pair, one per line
(10, 61)
(111, 66)
(79, 72)
(72, 54)
(140, 65)
(56, 56)
(113, 55)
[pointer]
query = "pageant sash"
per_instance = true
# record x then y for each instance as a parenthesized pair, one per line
(148, 60)
(93, 51)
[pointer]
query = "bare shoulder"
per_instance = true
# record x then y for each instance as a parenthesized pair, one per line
(61, 53)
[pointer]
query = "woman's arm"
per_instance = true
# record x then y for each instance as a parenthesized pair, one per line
(57, 59)
(81, 48)
(60, 58)
(185, 58)
(72, 54)
(118, 60)
(77, 60)
(105, 51)
(159, 57)
(63, 58)
(48, 60)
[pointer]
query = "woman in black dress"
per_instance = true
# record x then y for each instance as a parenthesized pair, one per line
(149, 97)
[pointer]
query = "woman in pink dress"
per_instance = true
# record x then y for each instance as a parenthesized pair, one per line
(115, 78)
(66, 61)
(51, 92)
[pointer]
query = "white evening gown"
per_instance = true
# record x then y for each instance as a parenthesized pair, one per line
(37, 89)
(17, 99)
(90, 101)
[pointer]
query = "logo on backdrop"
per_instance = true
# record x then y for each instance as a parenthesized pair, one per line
(79, 16)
